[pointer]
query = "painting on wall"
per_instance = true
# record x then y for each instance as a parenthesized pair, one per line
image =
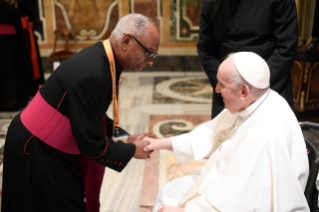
(91, 20)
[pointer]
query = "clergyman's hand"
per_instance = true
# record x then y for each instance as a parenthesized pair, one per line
(131, 138)
(170, 209)
(140, 144)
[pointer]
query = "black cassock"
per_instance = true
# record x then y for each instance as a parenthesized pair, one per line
(48, 179)
(30, 9)
(16, 77)
(267, 27)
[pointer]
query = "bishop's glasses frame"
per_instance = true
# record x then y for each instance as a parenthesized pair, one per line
(149, 53)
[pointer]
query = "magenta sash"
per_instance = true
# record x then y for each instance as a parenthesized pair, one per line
(7, 29)
(56, 133)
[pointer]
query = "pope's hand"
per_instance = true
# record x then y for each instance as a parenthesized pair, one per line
(170, 209)
(140, 144)
(155, 144)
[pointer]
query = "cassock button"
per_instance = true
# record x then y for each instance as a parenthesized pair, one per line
(107, 161)
(111, 161)
(102, 159)
(120, 163)
(115, 161)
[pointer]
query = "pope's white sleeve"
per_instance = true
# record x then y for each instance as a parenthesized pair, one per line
(194, 145)
(200, 204)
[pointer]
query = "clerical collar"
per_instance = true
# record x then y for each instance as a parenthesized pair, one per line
(251, 108)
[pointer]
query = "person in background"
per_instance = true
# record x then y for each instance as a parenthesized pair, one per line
(16, 76)
(267, 28)
(29, 11)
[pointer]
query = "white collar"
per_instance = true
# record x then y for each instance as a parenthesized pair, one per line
(246, 112)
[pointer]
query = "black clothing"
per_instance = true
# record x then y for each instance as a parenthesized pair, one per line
(48, 179)
(16, 77)
(267, 28)
(30, 8)
(87, 79)
(45, 180)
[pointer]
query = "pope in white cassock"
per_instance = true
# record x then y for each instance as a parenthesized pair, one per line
(257, 154)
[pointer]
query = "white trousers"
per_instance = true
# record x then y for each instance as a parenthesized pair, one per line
(172, 192)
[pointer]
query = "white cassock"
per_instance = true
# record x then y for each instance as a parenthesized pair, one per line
(262, 166)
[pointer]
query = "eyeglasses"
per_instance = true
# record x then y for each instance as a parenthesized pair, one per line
(149, 53)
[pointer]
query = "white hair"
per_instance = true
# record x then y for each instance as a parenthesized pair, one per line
(133, 23)
(238, 80)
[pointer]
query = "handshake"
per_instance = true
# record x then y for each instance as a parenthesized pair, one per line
(146, 145)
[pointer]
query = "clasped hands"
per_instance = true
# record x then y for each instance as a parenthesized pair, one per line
(146, 145)
(140, 144)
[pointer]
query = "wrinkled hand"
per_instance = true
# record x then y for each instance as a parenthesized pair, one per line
(140, 144)
(131, 138)
(170, 209)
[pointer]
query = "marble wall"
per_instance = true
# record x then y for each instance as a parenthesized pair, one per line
(93, 20)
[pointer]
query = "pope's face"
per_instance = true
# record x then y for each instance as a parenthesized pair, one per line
(140, 47)
(231, 96)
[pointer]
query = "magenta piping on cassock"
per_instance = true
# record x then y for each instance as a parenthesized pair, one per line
(56, 133)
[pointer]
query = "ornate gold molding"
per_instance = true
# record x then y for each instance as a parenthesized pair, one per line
(302, 101)
(181, 15)
(306, 76)
(306, 13)
(299, 90)
(308, 89)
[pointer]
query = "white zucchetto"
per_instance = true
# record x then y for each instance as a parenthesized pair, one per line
(252, 68)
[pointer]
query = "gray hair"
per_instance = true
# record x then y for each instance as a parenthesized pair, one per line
(238, 80)
(133, 23)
